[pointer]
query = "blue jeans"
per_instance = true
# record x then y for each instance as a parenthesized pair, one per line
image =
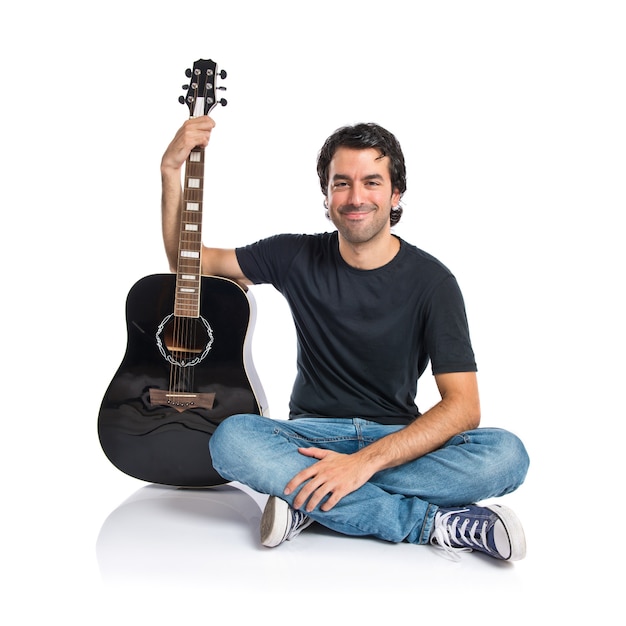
(397, 504)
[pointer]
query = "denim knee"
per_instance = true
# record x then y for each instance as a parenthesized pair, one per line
(233, 441)
(519, 460)
(228, 433)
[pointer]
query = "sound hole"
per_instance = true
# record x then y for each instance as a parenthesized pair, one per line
(184, 341)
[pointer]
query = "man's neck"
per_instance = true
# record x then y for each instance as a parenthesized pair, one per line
(371, 254)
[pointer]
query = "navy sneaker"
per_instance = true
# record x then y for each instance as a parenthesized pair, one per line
(494, 530)
(281, 523)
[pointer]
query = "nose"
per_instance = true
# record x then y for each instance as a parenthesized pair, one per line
(356, 196)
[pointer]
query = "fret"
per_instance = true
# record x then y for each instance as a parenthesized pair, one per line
(189, 249)
(193, 195)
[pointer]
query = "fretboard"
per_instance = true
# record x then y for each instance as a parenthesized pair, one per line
(187, 300)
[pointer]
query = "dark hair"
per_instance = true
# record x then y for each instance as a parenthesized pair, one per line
(361, 137)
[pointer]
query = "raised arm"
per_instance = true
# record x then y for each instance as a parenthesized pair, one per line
(215, 261)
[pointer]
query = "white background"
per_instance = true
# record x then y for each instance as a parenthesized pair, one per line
(511, 117)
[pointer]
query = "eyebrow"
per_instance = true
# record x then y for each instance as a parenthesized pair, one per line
(368, 177)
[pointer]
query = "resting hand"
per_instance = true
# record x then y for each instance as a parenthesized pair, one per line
(334, 475)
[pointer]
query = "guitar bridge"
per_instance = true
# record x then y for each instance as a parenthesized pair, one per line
(182, 401)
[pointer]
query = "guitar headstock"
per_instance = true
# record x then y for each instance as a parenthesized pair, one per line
(201, 89)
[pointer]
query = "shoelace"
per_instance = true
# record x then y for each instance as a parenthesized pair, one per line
(298, 523)
(446, 533)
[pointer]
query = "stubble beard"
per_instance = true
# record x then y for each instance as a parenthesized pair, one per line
(354, 232)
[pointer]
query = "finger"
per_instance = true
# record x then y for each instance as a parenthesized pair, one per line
(311, 495)
(301, 499)
(333, 499)
(196, 131)
(316, 453)
(313, 488)
(307, 473)
(306, 491)
(301, 477)
(317, 496)
(203, 122)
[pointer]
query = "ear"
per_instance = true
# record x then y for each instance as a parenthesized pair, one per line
(395, 197)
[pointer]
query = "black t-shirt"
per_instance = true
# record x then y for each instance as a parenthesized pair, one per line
(364, 336)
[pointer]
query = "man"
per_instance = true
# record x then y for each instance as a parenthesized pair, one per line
(370, 311)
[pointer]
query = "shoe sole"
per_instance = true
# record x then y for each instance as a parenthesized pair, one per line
(274, 522)
(514, 531)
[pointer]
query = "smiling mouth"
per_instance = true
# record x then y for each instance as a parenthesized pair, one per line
(355, 216)
(352, 212)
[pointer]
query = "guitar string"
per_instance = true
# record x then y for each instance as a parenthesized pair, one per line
(194, 324)
(185, 328)
(183, 321)
(196, 236)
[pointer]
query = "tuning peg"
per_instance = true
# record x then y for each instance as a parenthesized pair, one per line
(188, 73)
(182, 99)
(223, 102)
(223, 74)
(220, 88)
(185, 87)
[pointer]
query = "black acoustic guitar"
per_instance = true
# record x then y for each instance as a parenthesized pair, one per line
(188, 359)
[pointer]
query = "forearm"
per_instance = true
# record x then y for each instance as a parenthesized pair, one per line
(215, 261)
(427, 433)
(171, 207)
(458, 411)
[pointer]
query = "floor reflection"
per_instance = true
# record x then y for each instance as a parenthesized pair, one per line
(176, 534)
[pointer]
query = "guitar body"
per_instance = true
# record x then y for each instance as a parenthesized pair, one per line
(162, 405)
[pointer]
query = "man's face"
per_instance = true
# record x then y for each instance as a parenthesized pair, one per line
(359, 196)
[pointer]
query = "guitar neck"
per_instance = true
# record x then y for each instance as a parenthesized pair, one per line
(187, 299)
